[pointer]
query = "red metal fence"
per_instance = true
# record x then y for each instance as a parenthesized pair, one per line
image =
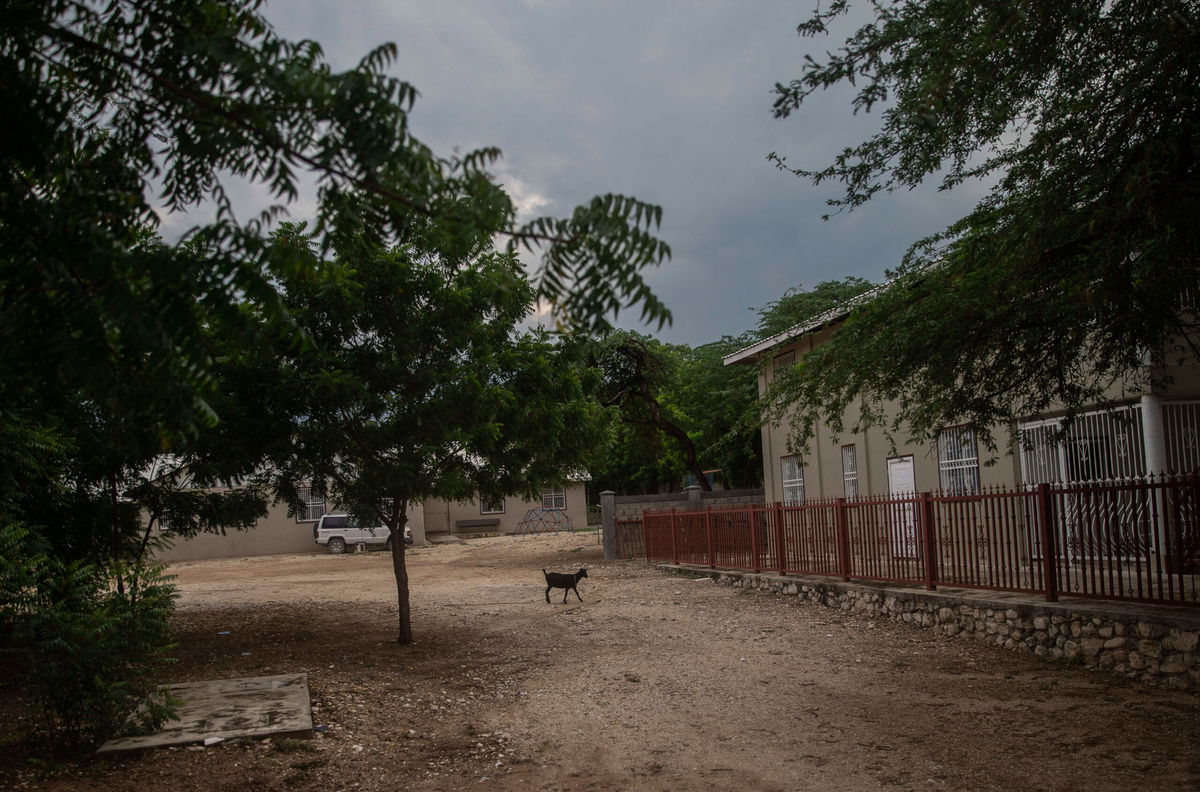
(1128, 540)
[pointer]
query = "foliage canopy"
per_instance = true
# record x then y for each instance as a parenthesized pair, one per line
(1083, 255)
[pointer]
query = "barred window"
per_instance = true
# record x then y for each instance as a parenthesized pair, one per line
(491, 505)
(958, 461)
(850, 471)
(554, 498)
(314, 505)
(793, 480)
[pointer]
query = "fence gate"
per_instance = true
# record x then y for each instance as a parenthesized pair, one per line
(630, 539)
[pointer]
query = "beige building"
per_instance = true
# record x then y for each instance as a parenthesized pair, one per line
(1145, 432)
(280, 533)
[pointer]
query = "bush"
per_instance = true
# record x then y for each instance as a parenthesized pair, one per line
(88, 638)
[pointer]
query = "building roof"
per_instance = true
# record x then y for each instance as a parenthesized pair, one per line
(753, 353)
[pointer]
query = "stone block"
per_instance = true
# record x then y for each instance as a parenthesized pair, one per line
(1076, 629)
(1136, 661)
(1106, 631)
(1114, 643)
(1091, 645)
(1071, 650)
(947, 614)
(1119, 655)
(1182, 640)
(1175, 663)
(1011, 614)
(1040, 623)
(1149, 648)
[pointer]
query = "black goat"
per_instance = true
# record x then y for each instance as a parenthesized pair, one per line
(567, 583)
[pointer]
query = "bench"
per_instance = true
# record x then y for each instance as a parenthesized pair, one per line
(485, 523)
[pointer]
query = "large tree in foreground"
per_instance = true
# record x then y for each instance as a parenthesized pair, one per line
(120, 112)
(113, 347)
(419, 384)
(1084, 254)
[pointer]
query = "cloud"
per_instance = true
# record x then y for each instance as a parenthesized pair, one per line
(668, 101)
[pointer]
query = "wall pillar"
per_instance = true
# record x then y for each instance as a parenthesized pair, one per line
(695, 498)
(1154, 437)
(608, 523)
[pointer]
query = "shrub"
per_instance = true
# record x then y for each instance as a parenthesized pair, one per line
(88, 638)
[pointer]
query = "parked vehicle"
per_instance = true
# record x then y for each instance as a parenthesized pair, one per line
(339, 531)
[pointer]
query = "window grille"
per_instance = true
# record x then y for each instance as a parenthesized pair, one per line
(491, 505)
(958, 461)
(1098, 446)
(554, 498)
(1181, 427)
(850, 471)
(793, 480)
(314, 505)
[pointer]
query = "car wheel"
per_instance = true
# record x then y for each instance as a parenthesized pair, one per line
(337, 546)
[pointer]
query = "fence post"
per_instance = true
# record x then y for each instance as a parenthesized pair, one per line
(752, 526)
(674, 541)
(1049, 553)
(608, 523)
(929, 540)
(780, 547)
(843, 539)
(712, 561)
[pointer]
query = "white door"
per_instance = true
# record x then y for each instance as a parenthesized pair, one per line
(902, 516)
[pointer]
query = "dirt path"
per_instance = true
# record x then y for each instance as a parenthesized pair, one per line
(653, 682)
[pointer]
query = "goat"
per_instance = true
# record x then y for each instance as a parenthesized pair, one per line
(567, 583)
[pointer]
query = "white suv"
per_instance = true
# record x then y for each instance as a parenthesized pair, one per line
(338, 531)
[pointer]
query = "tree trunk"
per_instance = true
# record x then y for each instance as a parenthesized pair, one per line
(399, 518)
(689, 452)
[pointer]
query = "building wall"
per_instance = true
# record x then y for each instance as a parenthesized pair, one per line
(822, 464)
(442, 516)
(274, 534)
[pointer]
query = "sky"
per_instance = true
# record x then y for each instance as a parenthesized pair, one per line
(665, 100)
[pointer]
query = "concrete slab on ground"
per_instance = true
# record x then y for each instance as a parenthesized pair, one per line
(229, 708)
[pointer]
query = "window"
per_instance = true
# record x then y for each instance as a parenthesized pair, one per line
(850, 471)
(786, 360)
(314, 505)
(958, 461)
(491, 505)
(793, 480)
(554, 498)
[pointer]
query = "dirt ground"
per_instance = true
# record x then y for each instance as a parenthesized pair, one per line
(652, 682)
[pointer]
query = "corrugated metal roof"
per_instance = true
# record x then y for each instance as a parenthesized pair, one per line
(751, 353)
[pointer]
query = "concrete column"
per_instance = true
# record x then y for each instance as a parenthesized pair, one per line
(1155, 445)
(695, 498)
(608, 523)
(1154, 435)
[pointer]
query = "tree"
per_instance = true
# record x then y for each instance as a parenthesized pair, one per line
(114, 345)
(798, 305)
(1081, 258)
(636, 371)
(418, 385)
(112, 102)
(717, 404)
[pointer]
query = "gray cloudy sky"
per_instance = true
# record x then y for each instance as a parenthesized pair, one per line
(665, 100)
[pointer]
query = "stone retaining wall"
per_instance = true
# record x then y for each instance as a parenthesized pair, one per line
(1155, 644)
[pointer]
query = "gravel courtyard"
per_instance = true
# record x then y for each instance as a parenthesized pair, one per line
(653, 682)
